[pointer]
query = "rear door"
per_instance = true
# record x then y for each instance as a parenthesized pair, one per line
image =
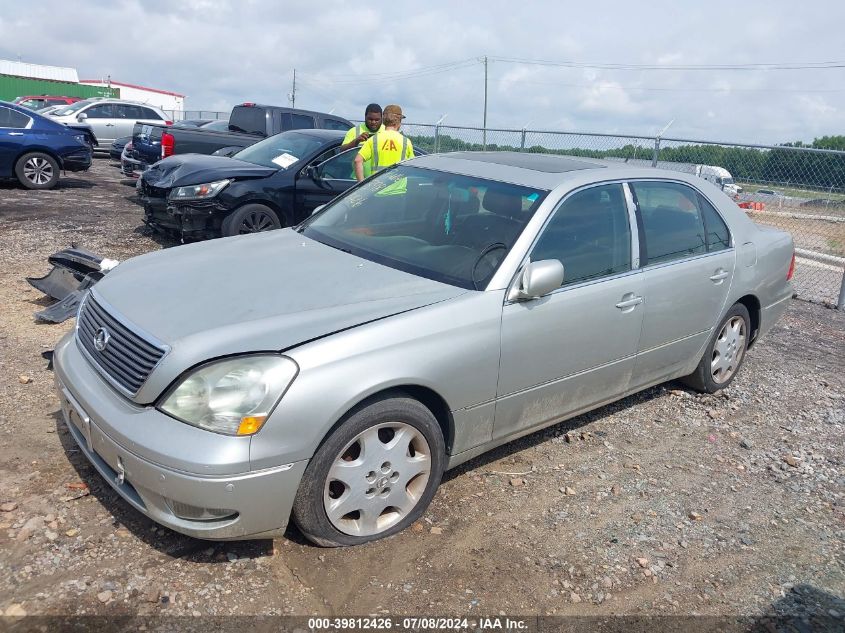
(106, 121)
(575, 348)
(13, 136)
(688, 265)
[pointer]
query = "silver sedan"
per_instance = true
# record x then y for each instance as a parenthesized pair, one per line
(332, 372)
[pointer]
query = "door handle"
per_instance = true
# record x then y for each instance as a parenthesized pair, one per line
(15, 133)
(629, 303)
(109, 124)
(718, 277)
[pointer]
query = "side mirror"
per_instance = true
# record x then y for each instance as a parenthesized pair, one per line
(311, 172)
(317, 210)
(538, 279)
(81, 117)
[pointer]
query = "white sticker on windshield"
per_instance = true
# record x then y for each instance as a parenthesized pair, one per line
(285, 160)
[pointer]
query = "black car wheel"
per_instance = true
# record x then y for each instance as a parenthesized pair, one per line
(250, 218)
(37, 170)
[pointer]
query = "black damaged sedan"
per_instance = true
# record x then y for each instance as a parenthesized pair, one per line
(275, 183)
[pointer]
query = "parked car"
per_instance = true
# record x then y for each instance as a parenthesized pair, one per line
(34, 149)
(275, 183)
(110, 118)
(248, 123)
(117, 146)
(42, 101)
(441, 308)
(133, 167)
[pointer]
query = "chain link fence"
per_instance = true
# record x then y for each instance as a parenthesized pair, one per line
(796, 189)
(192, 115)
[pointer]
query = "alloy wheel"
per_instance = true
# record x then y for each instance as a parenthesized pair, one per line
(728, 350)
(377, 479)
(255, 222)
(38, 170)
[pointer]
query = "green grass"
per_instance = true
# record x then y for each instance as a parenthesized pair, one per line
(751, 188)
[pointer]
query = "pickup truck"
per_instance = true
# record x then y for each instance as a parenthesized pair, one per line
(248, 124)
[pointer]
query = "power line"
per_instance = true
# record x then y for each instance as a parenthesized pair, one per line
(616, 86)
(612, 66)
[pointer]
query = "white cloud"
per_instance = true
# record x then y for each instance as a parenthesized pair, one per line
(222, 53)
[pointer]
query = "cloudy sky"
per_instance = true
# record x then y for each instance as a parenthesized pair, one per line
(426, 57)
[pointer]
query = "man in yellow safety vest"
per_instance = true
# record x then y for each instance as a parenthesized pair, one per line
(361, 132)
(386, 148)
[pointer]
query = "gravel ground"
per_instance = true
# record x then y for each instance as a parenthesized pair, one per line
(667, 502)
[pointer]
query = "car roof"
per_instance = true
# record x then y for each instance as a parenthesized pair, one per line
(544, 171)
(326, 135)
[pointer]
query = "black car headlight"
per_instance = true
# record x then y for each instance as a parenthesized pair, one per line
(199, 192)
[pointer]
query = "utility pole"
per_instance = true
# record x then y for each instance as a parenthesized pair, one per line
(293, 91)
(484, 125)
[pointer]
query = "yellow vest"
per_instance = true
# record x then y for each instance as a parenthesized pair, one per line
(389, 148)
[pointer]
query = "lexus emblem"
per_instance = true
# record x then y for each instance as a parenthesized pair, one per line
(101, 339)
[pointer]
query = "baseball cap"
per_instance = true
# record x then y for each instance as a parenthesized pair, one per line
(394, 109)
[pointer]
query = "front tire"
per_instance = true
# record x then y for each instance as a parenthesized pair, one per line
(37, 170)
(374, 475)
(250, 218)
(724, 354)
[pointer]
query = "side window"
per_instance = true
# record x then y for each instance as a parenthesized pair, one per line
(148, 114)
(672, 224)
(101, 111)
(301, 122)
(339, 167)
(718, 236)
(590, 235)
(130, 112)
(12, 119)
(334, 124)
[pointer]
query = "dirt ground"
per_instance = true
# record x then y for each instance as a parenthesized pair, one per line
(667, 502)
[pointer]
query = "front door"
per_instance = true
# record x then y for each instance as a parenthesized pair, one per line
(330, 176)
(575, 348)
(688, 267)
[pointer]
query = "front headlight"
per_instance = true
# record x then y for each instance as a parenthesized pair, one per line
(199, 192)
(233, 396)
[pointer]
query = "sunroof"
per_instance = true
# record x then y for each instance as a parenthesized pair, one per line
(538, 162)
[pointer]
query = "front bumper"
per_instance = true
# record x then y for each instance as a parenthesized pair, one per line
(255, 504)
(198, 220)
(132, 167)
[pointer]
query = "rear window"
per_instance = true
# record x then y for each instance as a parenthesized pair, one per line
(12, 119)
(249, 119)
(335, 124)
(301, 122)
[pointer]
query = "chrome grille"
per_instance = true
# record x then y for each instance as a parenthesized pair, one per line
(127, 358)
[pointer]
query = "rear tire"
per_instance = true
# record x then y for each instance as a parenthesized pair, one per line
(250, 218)
(37, 170)
(724, 354)
(374, 475)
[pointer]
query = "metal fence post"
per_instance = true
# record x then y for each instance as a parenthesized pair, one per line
(436, 139)
(656, 152)
(522, 144)
(841, 303)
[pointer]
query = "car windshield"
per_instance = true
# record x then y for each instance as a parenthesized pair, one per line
(447, 227)
(72, 109)
(727, 181)
(280, 151)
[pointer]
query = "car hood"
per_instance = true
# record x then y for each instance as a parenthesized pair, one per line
(262, 292)
(195, 169)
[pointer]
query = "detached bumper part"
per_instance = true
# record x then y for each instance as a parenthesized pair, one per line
(74, 271)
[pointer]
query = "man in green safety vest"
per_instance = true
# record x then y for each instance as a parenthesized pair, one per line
(386, 148)
(361, 132)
